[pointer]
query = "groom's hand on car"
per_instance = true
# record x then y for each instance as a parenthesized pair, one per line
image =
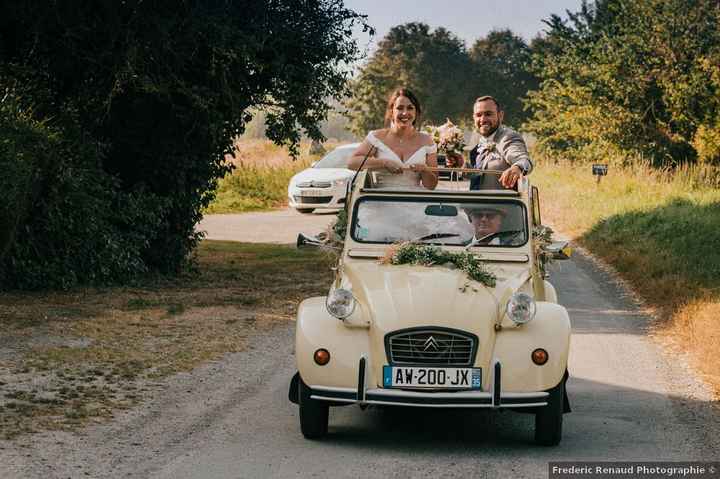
(510, 177)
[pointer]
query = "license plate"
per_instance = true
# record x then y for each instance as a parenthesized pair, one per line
(439, 378)
(313, 192)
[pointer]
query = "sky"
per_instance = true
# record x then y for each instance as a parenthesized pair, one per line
(468, 19)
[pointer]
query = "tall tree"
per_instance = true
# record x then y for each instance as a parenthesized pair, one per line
(434, 64)
(153, 93)
(630, 77)
(503, 58)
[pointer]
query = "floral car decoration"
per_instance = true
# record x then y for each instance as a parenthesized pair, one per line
(428, 255)
(430, 309)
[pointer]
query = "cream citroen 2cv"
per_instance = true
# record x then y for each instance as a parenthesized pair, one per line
(440, 300)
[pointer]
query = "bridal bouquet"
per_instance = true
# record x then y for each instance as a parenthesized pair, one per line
(449, 138)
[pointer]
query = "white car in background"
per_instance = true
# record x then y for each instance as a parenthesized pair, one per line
(324, 185)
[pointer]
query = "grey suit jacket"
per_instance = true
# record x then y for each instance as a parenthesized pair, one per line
(504, 148)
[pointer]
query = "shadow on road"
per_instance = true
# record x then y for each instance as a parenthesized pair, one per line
(608, 422)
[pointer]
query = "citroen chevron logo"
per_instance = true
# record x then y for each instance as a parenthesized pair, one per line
(431, 343)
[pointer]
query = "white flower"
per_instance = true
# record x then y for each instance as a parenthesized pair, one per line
(448, 137)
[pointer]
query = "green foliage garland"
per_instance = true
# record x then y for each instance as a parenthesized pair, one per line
(340, 226)
(542, 236)
(428, 255)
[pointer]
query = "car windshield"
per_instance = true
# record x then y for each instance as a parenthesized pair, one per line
(467, 223)
(338, 158)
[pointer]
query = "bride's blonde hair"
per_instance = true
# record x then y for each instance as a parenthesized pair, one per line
(391, 102)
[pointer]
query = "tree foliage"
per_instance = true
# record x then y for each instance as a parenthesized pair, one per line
(145, 99)
(440, 70)
(502, 59)
(621, 76)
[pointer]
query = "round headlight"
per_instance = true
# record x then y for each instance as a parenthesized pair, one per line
(521, 308)
(340, 303)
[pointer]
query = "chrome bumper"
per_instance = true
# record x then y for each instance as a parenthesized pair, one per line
(494, 398)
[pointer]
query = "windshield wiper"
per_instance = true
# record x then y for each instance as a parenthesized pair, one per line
(436, 236)
(491, 236)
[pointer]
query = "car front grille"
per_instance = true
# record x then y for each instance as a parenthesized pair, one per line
(441, 347)
(313, 200)
(315, 184)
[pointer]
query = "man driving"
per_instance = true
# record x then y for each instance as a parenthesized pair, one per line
(487, 222)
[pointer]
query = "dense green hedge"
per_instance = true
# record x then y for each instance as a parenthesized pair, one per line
(71, 222)
(117, 117)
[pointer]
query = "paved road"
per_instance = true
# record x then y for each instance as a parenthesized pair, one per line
(280, 226)
(631, 401)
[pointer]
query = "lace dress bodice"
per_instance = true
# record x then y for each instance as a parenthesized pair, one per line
(408, 179)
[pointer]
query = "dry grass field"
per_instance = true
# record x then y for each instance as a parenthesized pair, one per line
(69, 358)
(261, 176)
(661, 231)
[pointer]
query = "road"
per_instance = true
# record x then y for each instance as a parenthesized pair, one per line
(277, 227)
(632, 400)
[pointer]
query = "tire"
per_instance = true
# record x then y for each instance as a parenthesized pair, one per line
(313, 414)
(305, 210)
(549, 419)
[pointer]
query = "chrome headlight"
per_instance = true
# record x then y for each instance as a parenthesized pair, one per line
(521, 308)
(340, 303)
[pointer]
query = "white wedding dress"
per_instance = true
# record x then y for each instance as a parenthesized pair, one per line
(408, 179)
(388, 221)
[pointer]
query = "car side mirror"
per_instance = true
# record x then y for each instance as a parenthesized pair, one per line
(304, 241)
(558, 250)
(320, 241)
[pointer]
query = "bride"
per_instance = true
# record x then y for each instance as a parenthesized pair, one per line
(399, 152)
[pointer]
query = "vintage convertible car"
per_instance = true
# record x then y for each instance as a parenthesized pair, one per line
(431, 336)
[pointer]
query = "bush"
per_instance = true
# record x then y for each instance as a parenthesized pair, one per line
(707, 144)
(255, 187)
(64, 220)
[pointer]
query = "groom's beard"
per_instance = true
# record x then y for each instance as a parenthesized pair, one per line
(492, 132)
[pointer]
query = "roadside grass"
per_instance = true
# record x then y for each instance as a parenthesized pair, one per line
(69, 358)
(254, 188)
(661, 231)
(261, 176)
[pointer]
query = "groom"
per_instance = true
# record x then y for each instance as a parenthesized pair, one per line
(499, 148)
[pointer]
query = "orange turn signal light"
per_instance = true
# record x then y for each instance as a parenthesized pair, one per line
(322, 356)
(539, 356)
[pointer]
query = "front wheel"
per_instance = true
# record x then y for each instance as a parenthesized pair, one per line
(548, 420)
(313, 414)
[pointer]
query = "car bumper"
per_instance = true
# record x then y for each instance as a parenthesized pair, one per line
(333, 198)
(495, 398)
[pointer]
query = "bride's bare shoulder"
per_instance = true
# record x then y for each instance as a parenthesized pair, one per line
(380, 134)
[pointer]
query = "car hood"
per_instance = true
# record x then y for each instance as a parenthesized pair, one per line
(322, 174)
(400, 297)
(419, 295)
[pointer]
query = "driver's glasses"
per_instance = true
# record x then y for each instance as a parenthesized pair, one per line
(489, 215)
